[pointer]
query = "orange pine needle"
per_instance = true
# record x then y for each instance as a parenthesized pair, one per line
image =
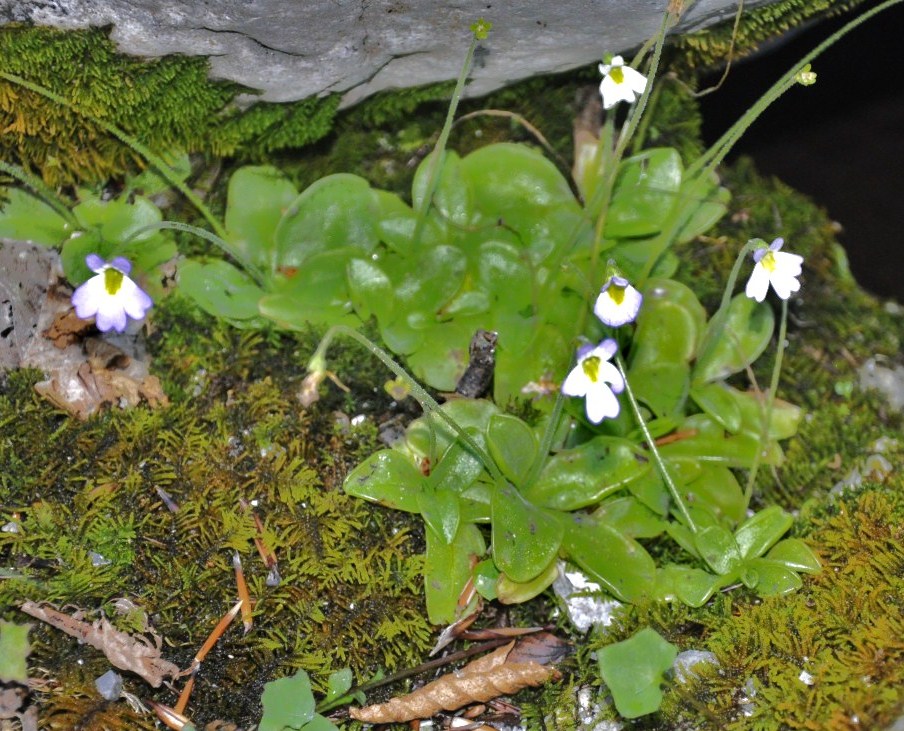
(216, 634)
(244, 596)
(169, 717)
(185, 694)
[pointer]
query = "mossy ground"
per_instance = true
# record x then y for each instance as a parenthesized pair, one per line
(351, 573)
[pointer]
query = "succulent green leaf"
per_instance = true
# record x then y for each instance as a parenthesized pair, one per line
(14, 650)
(705, 202)
(441, 511)
(257, 198)
(620, 564)
(388, 478)
(443, 360)
(472, 415)
(583, 475)
(515, 592)
(644, 193)
(717, 489)
(288, 703)
(796, 555)
(717, 400)
(732, 346)
(650, 489)
(692, 586)
(633, 671)
(762, 530)
(338, 211)
(770, 578)
(448, 568)
(222, 290)
(513, 445)
(452, 197)
(371, 290)
(662, 386)
(525, 536)
(717, 546)
(669, 326)
(486, 576)
(457, 470)
(629, 516)
(783, 422)
(27, 218)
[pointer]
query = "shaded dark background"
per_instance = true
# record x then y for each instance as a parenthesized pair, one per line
(840, 141)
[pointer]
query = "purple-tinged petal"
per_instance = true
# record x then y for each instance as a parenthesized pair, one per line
(95, 263)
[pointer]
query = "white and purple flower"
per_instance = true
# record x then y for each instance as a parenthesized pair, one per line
(776, 267)
(618, 302)
(597, 380)
(110, 296)
(620, 83)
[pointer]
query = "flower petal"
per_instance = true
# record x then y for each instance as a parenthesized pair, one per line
(87, 297)
(576, 382)
(601, 403)
(758, 284)
(95, 263)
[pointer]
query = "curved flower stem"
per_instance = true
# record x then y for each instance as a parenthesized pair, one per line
(439, 152)
(767, 409)
(317, 365)
(666, 477)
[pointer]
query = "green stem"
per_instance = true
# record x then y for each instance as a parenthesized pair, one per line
(767, 410)
(427, 402)
(552, 426)
(712, 157)
(660, 464)
(437, 157)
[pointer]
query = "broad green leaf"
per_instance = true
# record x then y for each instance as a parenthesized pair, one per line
(731, 347)
(425, 283)
(452, 197)
(796, 555)
(338, 684)
(337, 211)
(503, 273)
(388, 478)
(486, 576)
(514, 592)
(441, 511)
(717, 489)
(315, 293)
(457, 470)
(28, 218)
(761, 531)
(525, 537)
(717, 400)
(447, 570)
(288, 703)
(584, 475)
(371, 290)
(783, 422)
(472, 415)
(662, 386)
(692, 586)
(770, 578)
(256, 200)
(118, 219)
(644, 193)
(669, 326)
(650, 489)
(221, 290)
(620, 564)
(629, 516)
(633, 671)
(513, 446)
(14, 649)
(717, 546)
(731, 451)
(705, 202)
(443, 360)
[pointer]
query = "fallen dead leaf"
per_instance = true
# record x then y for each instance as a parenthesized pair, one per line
(479, 681)
(124, 651)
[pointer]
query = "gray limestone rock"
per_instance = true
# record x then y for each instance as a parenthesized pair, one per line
(292, 49)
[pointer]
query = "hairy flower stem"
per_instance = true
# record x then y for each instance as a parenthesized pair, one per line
(45, 193)
(317, 364)
(438, 156)
(657, 458)
(767, 408)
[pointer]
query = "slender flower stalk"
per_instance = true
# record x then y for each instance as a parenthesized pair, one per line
(651, 443)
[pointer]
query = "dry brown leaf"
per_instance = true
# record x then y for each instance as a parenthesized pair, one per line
(477, 682)
(124, 651)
